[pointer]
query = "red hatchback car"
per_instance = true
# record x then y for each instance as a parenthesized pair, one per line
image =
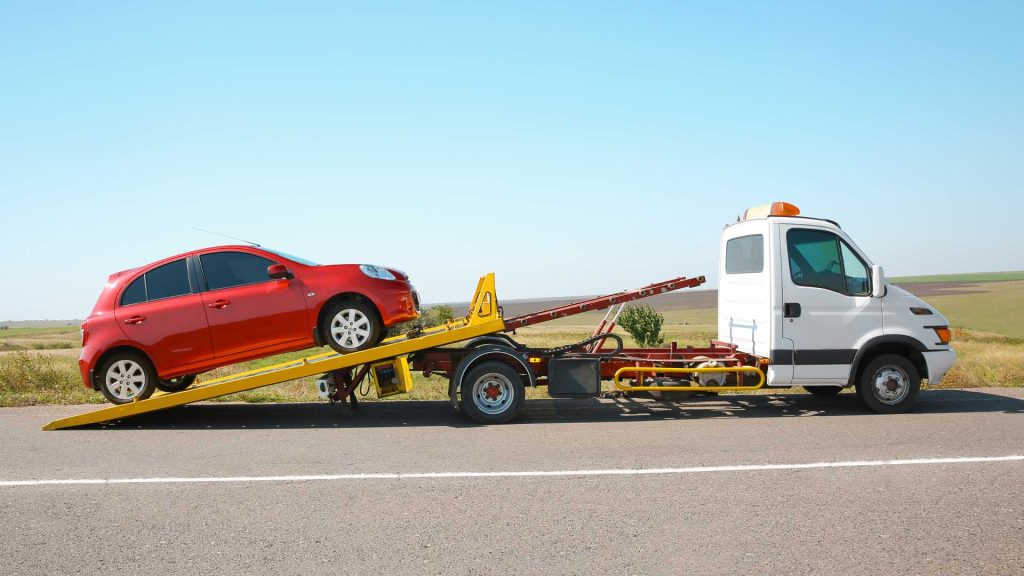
(159, 325)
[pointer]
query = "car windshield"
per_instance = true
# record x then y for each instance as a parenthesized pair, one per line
(292, 258)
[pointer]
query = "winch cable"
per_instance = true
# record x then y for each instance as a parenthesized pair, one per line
(558, 351)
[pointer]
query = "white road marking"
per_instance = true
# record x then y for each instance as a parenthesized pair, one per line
(515, 474)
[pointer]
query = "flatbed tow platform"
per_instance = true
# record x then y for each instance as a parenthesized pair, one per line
(484, 319)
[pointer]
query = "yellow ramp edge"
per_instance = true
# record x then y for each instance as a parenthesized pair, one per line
(483, 318)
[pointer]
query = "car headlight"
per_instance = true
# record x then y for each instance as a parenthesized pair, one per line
(376, 272)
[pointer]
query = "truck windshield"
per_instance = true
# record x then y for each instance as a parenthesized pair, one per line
(292, 258)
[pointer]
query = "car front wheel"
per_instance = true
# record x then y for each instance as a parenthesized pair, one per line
(351, 326)
(126, 377)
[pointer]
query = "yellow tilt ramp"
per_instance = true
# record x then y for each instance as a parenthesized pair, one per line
(483, 318)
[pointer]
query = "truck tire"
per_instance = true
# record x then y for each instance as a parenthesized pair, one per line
(824, 390)
(126, 377)
(176, 384)
(889, 384)
(492, 393)
(350, 326)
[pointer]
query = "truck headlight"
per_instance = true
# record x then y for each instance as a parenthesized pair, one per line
(376, 272)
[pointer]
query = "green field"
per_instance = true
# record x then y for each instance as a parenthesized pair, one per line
(970, 277)
(39, 365)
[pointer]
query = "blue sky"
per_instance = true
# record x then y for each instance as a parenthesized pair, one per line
(572, 148)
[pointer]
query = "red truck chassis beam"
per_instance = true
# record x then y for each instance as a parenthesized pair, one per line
(601, 302)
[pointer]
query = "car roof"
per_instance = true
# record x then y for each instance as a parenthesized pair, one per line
(206, 250)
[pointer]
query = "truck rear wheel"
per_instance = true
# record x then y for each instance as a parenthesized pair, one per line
(492, 393)
(889, 384)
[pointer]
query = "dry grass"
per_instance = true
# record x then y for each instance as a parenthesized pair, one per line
(985, 359)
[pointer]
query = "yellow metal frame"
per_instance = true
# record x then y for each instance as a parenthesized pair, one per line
(483, 318)
(641, 370)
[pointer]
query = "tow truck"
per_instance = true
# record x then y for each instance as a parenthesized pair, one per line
(799, 304)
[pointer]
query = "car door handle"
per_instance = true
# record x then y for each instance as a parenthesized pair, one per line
(135, 320)
(791, 310)
(220, 304)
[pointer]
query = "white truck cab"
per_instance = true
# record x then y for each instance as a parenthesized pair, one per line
(799, 291)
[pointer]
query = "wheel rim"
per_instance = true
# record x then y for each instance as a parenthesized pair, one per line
(125, 379)
(350, 328)
(493, 393)
(891, 384)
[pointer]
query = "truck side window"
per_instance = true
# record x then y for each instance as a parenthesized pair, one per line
(821, 259)
(856, 272)
(814, 259)
(744, 255)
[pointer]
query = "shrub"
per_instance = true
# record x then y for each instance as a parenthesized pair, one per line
(644, 324)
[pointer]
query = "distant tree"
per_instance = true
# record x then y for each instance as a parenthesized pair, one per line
(644, 324)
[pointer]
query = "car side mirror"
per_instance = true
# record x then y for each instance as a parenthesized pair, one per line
(279, 272)
(877, 281)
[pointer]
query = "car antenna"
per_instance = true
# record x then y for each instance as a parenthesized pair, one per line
(225, 236)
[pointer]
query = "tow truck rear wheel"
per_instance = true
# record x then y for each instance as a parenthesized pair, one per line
(350, 326)
(176, 384)
(126, 377)
(889, 384)
(492, 393)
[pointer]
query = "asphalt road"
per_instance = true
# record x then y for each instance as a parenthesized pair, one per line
(947, 518)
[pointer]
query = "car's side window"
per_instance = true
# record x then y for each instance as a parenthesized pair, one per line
(135, 292)
(856, 272)
(227, 269)
(165, 281)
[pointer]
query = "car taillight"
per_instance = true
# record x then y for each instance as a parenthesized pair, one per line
(85, 333)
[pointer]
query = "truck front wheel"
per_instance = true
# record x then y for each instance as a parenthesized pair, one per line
(492, 393)
(889, 384)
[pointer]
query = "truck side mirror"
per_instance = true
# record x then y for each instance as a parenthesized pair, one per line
(877, 281)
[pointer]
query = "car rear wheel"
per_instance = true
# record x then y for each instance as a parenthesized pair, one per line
(126, 377)
(351, 326)
(176, 384)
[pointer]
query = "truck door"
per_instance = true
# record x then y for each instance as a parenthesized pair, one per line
(827, 303)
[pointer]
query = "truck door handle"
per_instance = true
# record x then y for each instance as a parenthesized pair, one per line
(791, 310)
(220, 304)
(135, 320)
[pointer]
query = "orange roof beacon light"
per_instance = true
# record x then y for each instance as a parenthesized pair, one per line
(773, 209)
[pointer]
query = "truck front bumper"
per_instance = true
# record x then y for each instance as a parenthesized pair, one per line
(939, 362)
